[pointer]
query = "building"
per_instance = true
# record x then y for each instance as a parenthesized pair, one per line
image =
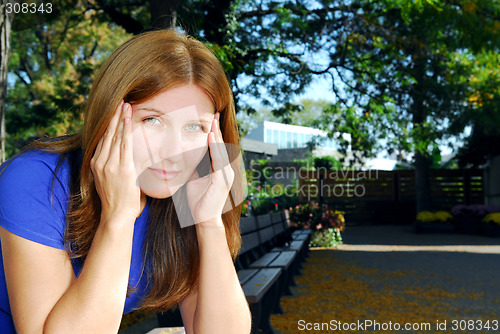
(288, 136)
(255, 149)
(292, 140)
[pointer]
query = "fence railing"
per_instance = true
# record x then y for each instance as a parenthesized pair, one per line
(388, 196)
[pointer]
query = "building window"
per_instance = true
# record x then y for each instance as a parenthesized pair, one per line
(281, 139)
(302, 140)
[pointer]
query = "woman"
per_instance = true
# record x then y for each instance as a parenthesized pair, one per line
(121, 216)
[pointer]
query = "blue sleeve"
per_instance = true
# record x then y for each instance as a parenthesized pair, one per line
(26, 206)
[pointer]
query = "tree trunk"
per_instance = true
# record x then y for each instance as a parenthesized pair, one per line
(5, 25)
(215, 21)
(422, 182)
(422, 162)
(163, 13)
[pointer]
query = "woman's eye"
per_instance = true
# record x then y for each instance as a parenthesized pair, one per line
(151, 121)
(195, 127)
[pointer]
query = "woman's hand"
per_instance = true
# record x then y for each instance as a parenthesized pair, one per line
(208, 195)
(113, 168)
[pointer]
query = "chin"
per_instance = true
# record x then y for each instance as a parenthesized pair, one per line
(155, 187)
(158, 194)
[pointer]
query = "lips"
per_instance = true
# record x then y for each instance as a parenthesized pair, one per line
(164, 174)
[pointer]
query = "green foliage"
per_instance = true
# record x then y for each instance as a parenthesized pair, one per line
(327, 162)
(265, 195)
(439, 216)
(316, 217)
(326, 223)
(413, 73)
(54, 66)
(417, 73)
(328, 238)
(492, 218)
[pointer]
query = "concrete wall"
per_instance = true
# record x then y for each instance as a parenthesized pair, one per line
(492, 182)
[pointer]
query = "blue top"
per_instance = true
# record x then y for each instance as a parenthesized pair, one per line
(26, 210)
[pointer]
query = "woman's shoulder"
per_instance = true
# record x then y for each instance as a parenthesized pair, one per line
(34, 193)
(33, 166)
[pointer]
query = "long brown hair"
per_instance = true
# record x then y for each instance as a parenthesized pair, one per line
(148, 64)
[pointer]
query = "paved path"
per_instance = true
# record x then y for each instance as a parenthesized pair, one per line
(389, 273)
(455, 262)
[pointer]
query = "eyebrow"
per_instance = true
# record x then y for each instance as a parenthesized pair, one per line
(158, 111)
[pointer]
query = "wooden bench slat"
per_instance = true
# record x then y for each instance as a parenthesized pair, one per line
(259, 284)
(294, 246)
(249, 242)
(284, 259)
(265, 260)
(245, 274)
(264, 221)
(248, 224)
(276, 217)
(301, 236)
(266, 234)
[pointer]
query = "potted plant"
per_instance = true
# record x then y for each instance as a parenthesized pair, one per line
(440, 221)
(467, 218)
(328, 232)
(326, 223)
(491, 225)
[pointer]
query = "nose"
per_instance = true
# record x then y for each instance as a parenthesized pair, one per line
(171, 147)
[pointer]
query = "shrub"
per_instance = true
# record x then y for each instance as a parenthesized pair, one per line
(440, 216)
(326, 223)
(316, 217)
(492, 218)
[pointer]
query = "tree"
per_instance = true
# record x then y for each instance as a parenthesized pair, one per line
(408, 70)
(403, 64)
(5, 27)
(53, 66)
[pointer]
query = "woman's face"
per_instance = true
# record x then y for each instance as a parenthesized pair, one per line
(170, 134)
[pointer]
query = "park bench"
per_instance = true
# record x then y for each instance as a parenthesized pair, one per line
(269, 258)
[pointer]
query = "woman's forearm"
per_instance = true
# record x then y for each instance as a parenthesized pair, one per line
(221, 304)
(95, 302)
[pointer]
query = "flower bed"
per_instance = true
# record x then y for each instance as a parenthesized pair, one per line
(491, 225)
(440, 222)
(325, 222)
(468, 219)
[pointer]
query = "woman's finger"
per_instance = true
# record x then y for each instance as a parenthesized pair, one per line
(221, 145)
(218, 163)
(213, 146)
(98, 149)
(126, 140)
(110, 133)
(116, 142)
